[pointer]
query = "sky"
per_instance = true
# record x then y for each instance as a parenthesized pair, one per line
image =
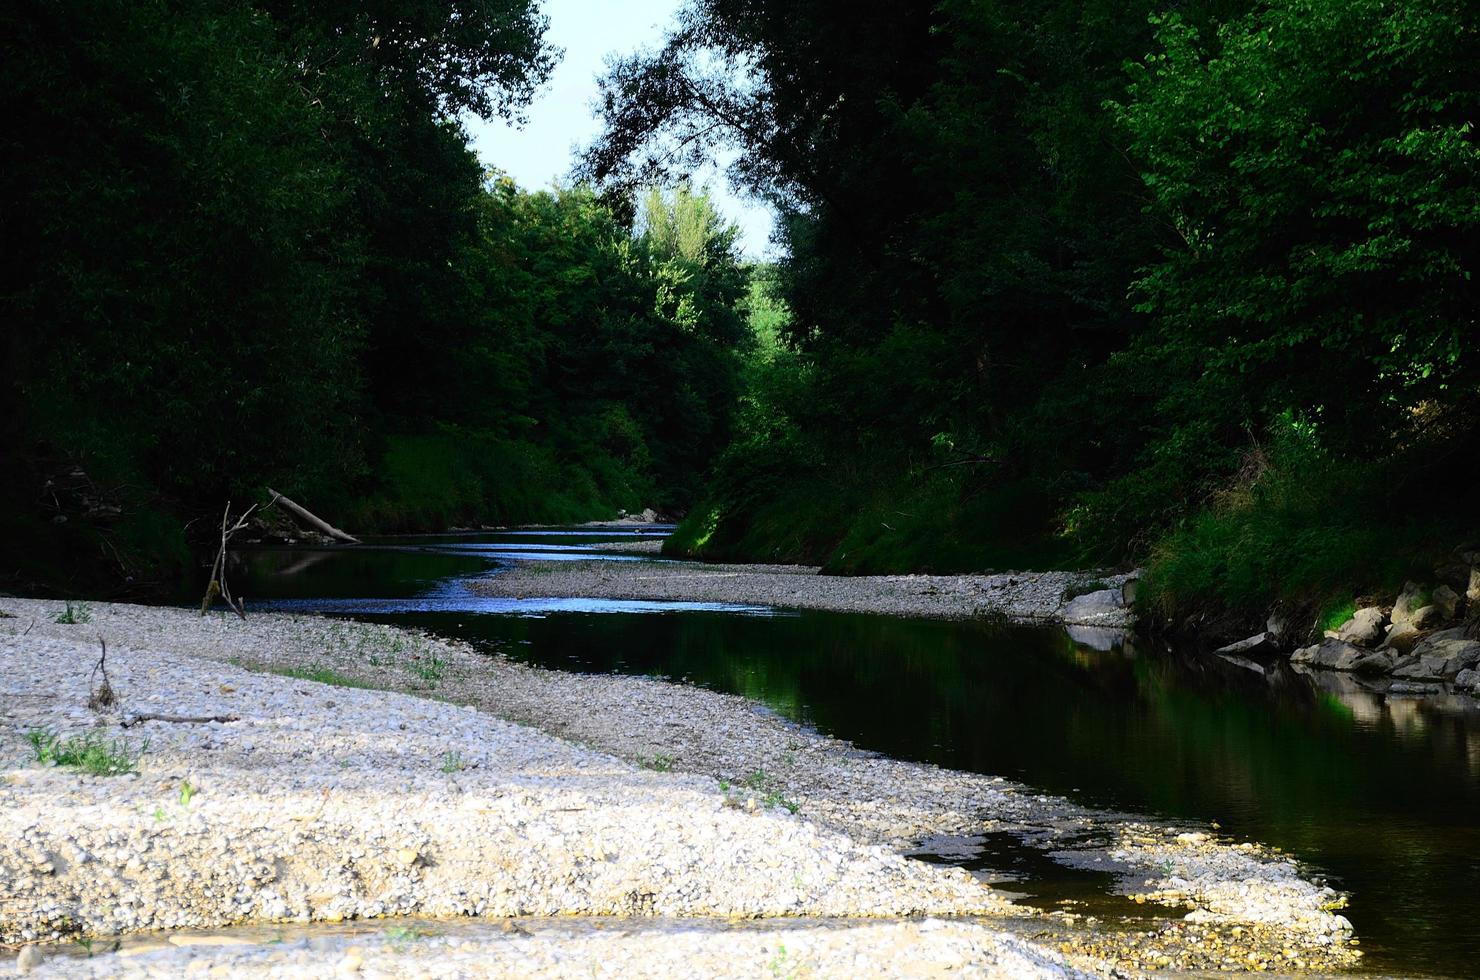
(541, 153)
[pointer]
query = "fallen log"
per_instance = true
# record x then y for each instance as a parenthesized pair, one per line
(311, 519)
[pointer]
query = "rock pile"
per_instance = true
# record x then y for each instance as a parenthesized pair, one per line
(1430, 633)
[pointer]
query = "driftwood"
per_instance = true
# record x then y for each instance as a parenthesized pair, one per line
(312, 520)
(218, 586)
(132, 720)
(102, 696)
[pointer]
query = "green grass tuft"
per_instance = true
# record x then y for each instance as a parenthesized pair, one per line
(90, 753)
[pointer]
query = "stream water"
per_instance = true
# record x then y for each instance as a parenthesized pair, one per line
(1382, 793)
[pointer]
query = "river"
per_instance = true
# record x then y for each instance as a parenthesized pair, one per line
(1382, 794)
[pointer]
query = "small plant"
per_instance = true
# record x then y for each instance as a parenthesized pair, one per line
(159, 815)
(399, 937)
(75, 614)
(452, 761)
(661, 762)
(1335, 614)
(89, 753)
(428, 668)
(187, 792)
(759, 782)
(320, 675)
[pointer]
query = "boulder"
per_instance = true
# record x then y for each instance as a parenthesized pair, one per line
(1331, 654)
(1368, 662)
(1467, 680)
(1446, 600)
(1364, 629)
(1425, 617)
(1260, 644)
(1402, 637)
(1439, 657)
(1411, 599)
(1473, 592)
(1103, 608)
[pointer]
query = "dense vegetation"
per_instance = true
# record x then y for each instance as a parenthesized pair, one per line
(249, 246)
(1062, 284)
(1093, 283)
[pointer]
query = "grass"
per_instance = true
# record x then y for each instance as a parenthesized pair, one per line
(1335, 614)
(452, 761)
(429, 668)
(90, 753)
(661, 762)
(322, 675)
(770, 793)
(75, 614)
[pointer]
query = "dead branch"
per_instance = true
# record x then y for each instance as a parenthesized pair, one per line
(311, 519)
(133, 720)
(218, 586)
(102, 696)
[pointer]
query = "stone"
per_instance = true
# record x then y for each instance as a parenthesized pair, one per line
(1473, 592)
(1467, 679)
(1259, 643)
(1094, 608)
(1402, 637)
(1425, 617)
(1368, 662)
(1305, 655)
(31, 957)
(1364, 628)
(1447, 601)
(1439, 658)
(1410, 600)
(1329, 654)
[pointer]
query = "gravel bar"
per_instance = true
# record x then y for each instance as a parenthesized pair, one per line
(1026, 596)
(331, 802)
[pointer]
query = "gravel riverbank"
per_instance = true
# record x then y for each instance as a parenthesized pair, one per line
(1072, 598)
(327, 802)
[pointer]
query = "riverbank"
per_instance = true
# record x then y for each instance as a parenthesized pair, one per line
(354, 774)
(1071, 598)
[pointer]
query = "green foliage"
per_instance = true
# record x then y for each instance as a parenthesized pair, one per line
(89, 753)
(321, 675)
(74, 614)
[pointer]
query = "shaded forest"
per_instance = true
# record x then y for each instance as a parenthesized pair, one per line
(250, 247)
(1061, 285)
(1076, 284)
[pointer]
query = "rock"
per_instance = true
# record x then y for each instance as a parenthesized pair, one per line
(1330, 654)
(1402, 637)
(1467, 680)
(1426, 617)
(1439, 657)
(1447, 601)
(1094, 608)
(1368, 662)
(31, 957)
(1259, 643)
(1364, 628)
(1473, 592)
(1410, 600)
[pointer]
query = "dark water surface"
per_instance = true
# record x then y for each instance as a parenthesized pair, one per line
(1382, 793)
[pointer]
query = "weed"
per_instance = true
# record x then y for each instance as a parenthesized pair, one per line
(774, 798)
(658, 763)
(187, 792)
(75, 614)
(428, 668)
(1335, 614)
(89, 753)
(159, 815)
(320, 675)
(756, 780)
(452, 761)
(399, 937)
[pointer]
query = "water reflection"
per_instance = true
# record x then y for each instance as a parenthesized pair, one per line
(1378, 784)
